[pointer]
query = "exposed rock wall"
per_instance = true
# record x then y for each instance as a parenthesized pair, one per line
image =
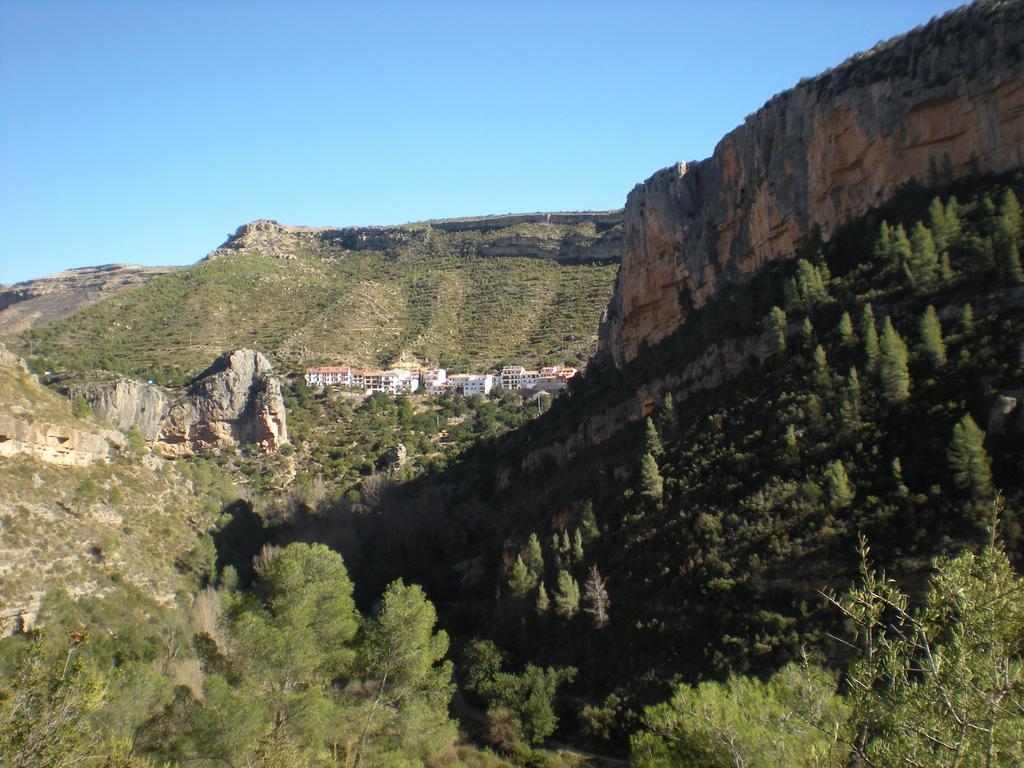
(237, 400)
(945, 100)
(564, 237)
(122, 402)
(52, 443)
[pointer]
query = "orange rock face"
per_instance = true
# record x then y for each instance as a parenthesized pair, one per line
(944, 101)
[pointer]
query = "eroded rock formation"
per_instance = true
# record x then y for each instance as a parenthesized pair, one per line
(946, 100)
(121, 401)
(237, 400)
(52, 443)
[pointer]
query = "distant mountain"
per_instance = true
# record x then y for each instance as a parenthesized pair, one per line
(38, 302)
(465, 293)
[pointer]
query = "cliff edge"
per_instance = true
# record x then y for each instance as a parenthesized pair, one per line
(944, 101)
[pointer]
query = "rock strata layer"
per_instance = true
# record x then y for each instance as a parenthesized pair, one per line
(563, 237)
(944, 101)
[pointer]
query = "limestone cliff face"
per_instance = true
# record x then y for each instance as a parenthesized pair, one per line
(564, 237)
(122, 402)
(945, 100)
(237, 400)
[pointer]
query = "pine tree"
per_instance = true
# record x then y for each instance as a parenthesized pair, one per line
(534, 556)
(946, 272)
(809, 284)
(931, 337)
(567, 596)
(870, 334)
(895, 376)
(847, 336)
(883, 244)
(577, 546)
(652, 441)
(902, 253)
(588, 523)
(564, 545)
(520, 581)
(775, 330)
(837, 483)
(652, 485)
(849, 406)
(937, 224)
(967, 320)
(896, 468)
(968, 461)
(666, 417)
(791, 446)
(595, 597)
(543, 602)
(924, 259)
(806, 333)
(821, 374)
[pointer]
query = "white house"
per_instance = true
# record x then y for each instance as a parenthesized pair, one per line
(472, 383)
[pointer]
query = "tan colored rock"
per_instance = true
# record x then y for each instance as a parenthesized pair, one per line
(945, 99)
(52, 443)
(237, 400)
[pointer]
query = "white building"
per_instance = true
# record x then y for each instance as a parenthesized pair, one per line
(434, 381)
(549, 378)
(468, 384)
(370, 380)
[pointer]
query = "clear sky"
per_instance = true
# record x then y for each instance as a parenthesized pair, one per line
(144, 132)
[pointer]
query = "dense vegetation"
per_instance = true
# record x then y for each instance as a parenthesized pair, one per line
(432, 301)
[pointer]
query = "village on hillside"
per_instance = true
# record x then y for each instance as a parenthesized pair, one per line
(437, 381)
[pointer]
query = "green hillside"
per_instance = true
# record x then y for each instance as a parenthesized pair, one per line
(428, 302)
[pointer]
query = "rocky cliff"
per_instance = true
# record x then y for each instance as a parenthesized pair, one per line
(943, 101)
(236, 401)
(563, 237)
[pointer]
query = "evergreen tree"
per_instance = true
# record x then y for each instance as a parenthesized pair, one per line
(775, 330)
(821, 374)
(520, 581)
(577, 546)
(924, 259)
(652, 442)
(809, 284)
(847, 336)
(937, 224)
(567, 596)
(931, 337)
(896, 469)
(870, 335)
(967, 320)
(806, 333)
(883, 244)
(595, 597)
(837, 483)
(1006, 239)
(791, 446)
(534, 557)
(543, 602)
(652, 485)
(895, 376)
(968, 461)
(588, 523)
(946, 272)
(849, 406)
(902, 253)
(564, 545)
(666, 417)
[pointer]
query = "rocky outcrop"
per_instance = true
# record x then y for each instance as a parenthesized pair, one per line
(121, 401)
(563, 237)
(35, 303)
(237, 400)
(945, 100)
(50, 442)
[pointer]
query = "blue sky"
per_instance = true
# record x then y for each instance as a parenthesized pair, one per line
(145, 132)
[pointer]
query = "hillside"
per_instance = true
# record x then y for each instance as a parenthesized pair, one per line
(35, 303)
(462, 294)
(88, 510)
